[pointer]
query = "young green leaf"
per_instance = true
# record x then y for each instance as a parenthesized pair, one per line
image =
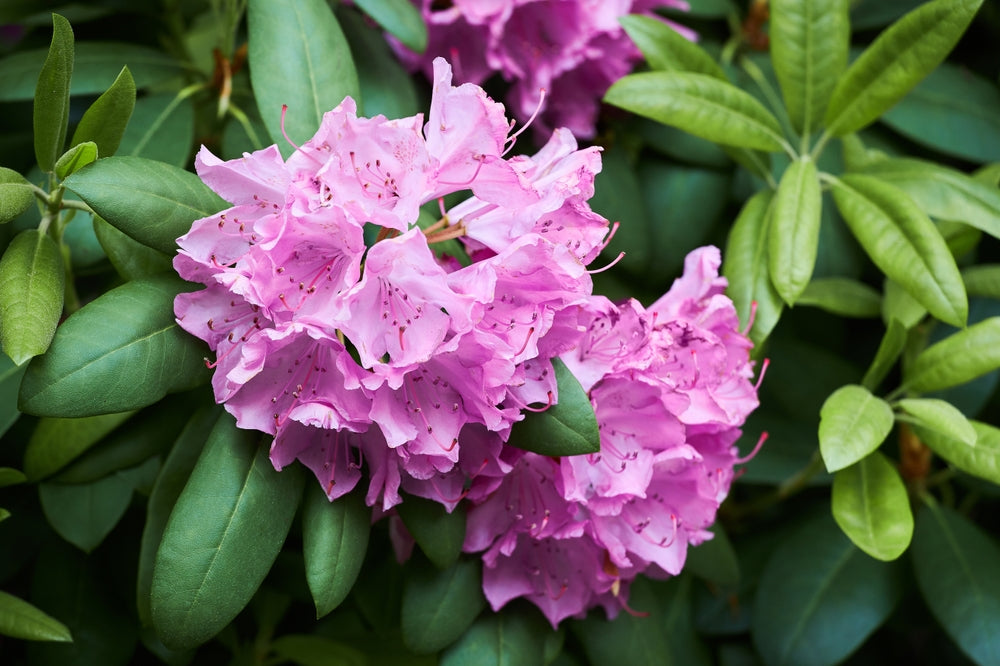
(745, 266)
(51, 109)
(128, 343)
(793, 236)
(511, 636)
(56, 442)
(74, 159)
(566, 428)
(940, 416)
(871, 505)
(32, 280)
(699, 104)
(222, 537)
(888, 353)
(809, 40)
(981, 458)
(154, 203)
(400, 18)
(439, 534)
(84, 514)
(959, 358)
(438, 606)
(955, 564)
(842, 296)
(853, 423)
(904, 243)
(19, 619)
(666, 49)
(105, 121)
(334, 542)
(896, 61)
(299, 57)
(16, 194)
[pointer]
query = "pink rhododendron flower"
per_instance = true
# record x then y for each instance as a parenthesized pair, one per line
(573, 49)
(339, 328)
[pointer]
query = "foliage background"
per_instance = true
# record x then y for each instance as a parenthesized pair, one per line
(892, 558)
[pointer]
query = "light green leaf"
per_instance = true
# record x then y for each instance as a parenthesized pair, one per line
(809, 40)
(511, 637)
(981, 458)
(222, 537)
(982, 280)
(888, 353)
(898, 304)
(959, 358)
(19, 619)
(299, 57)
(940, 416)
(51, 109)
(126, 342)
(105, 121)
(154, 203)
(793, 234)
(566, 428)
(871, 505)
(438, 606)
(74, 159)
(699, 104)
(955, 563)
(334, 542)
(84, 514)
(400, 18)
(16, 195)
(439, 534)
(904, 244)
(842, 296)
(666, 49)
(31, 294)
(853, 423)
(56, 442)
(896, 61)
(745, 264)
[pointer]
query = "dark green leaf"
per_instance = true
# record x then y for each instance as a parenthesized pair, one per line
(959, 358)
(19, 619)
(853, 423)
(708, 8)
(15, 194)
(74, 159)
(438, 606)
(666, 49)
(981, 458)
(714, 560)
(617, 196)
(51, 109)
(512, 637)
(222, 537)
(896, 61)
(699, 104)
(10, 384)
(131, 259)
(819, 598)
(439, 534)
(940, 416)
(793, 233)
(400, 18)
(84, 514)
(955, 563)
(868, 14)
(56, 442)
(809, 40)
(10, 476)
(161, 129)
(567, 428)
(31, 294)
(871, 505)
(842, 296)
(904, 243)
(299, 57)
(888, 352)
(127, 343)
(334, 542)
(309, 650)
(105, 121)
(152, 202)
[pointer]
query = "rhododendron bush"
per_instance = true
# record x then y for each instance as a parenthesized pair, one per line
(522, 331)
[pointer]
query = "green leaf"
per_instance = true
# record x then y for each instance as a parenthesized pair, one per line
(809, 40)
(793, 234)
(126, 342)
(299, 57)
(105, 121)
(567, 428)
(511, 637)
(871, 505)
(131, 259)
(439, 534)
(819, 598)
(74, 159)
(714, 560)
(982, 280)
(981, 458)
(959, 358)
(842, 296)
(222, 537)
(19, 619)
(10, 477)
(896, 61)
(940, 416)
(84, 514)
(152, 202)
(904, 244)
(16, 194)
(666, 49)
(618, 196)
(699, 104)
(898, 304)
(334, 541)
(438, 606)
(853, 423)
(310, 650)
(31, 294)
(955, 564)
(400, 18)
(51, 108)
(10, 382)
(56, 442)
(745, 266)
(888, 353)
(161, 129)
(943, 193)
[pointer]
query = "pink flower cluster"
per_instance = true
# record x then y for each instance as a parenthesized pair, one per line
(573, 49)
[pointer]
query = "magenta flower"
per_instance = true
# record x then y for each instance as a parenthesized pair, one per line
(573, 49)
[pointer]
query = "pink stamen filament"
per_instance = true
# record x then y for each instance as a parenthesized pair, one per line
(750, 456)
(512, 139)
(601, 270)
